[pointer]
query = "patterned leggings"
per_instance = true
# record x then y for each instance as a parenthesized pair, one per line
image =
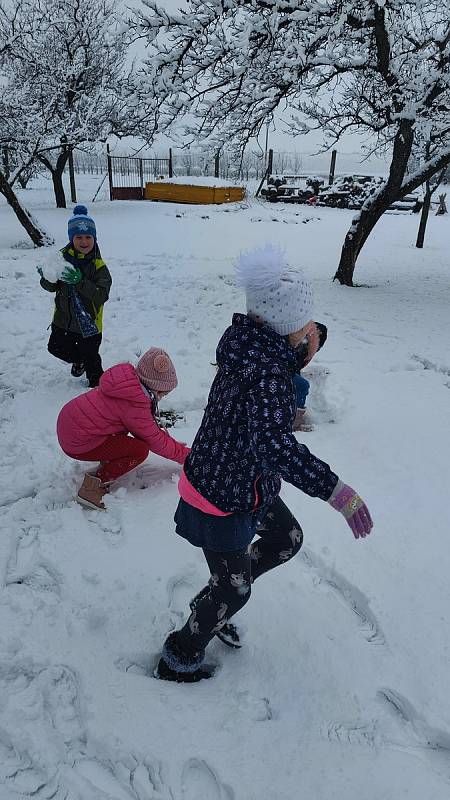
(233, 573)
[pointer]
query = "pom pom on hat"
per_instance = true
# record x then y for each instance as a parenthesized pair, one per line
(156, 370)
(276, 294)
(80, 209)
(261, 268)
(81, 223)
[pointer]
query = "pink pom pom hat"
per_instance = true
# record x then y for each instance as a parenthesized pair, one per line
(156, 370)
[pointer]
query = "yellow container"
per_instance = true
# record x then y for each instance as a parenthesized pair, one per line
(185, 193)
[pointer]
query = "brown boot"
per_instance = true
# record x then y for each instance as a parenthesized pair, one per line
(302, 421)
(91, 492)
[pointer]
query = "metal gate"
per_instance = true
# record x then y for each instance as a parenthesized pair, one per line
(128, 175)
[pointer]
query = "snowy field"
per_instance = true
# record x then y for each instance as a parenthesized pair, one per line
(341, 691)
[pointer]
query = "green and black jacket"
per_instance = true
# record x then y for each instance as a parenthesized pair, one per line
(93, 289)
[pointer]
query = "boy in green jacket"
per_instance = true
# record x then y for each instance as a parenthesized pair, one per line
(81, 288)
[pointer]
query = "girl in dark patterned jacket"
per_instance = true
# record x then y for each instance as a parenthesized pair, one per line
(81, 283)
(245, 446)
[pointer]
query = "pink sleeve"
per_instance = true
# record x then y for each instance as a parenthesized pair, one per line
(141, 423)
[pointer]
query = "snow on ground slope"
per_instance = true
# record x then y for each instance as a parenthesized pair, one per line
(341, 690)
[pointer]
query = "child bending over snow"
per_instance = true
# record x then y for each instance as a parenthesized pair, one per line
(96, 425)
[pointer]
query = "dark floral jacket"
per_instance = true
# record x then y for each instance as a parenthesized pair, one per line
(245, 444)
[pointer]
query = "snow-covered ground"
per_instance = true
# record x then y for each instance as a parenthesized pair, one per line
(341, 691)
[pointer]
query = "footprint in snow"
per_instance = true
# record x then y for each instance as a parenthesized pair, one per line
(24, 553)
(245, 704)
(42, 578)
(97, 780)
(61, 693)
(40, 726)
(411, 733)
(137, 664)
(418, 735)
(354, 733)
(22, 777)
(149, 783)
(181, 588)
(199, 780)
(120, 780)
(352, 597)
(431, 365)
(107, 522)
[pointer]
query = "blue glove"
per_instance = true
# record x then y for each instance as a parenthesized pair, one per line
(71, 275)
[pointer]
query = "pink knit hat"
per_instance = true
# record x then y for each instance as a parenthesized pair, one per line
(156, 370)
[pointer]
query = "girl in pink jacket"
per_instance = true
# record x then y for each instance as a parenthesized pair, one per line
(96, 426)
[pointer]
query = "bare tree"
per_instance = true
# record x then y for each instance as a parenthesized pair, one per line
(380, 68)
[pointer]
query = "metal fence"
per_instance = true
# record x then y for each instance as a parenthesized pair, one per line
(128, 175)
(85, 163)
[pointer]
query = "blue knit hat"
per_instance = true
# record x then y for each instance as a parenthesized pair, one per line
(81, 224)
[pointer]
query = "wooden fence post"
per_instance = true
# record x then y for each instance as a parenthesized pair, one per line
(110, 173)
(270, 163)
(141, 178)
(170, 163)
(73, 188)
(332, 167)
(217, 164)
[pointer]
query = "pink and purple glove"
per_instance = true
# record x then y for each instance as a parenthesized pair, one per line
(353, 508)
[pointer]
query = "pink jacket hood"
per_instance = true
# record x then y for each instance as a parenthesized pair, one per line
(122, 383)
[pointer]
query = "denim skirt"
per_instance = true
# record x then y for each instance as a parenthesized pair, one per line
(220, 534)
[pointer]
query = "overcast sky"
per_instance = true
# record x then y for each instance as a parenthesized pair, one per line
(278, 138)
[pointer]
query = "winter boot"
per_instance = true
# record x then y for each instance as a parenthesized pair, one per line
(77, 369)
(176, 665)
(302, 421)
(91, 492)
(165, 673)
(228, 634)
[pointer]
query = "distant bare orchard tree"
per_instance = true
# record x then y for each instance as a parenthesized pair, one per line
(379, 68)
(69, 62)
(16, 123)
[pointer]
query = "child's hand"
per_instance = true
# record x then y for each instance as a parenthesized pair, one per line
(312, 335)
(71, 275)
(345, 500)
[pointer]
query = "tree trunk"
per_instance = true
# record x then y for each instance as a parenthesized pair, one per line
(442, 209)
(5, 163)
(424, 217)
(23, 180)
(57, 175)
(356, 237)
(39, 237)
(58, 188)
(373, 209)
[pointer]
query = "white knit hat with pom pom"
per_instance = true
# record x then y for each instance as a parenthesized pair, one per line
(276, 294)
